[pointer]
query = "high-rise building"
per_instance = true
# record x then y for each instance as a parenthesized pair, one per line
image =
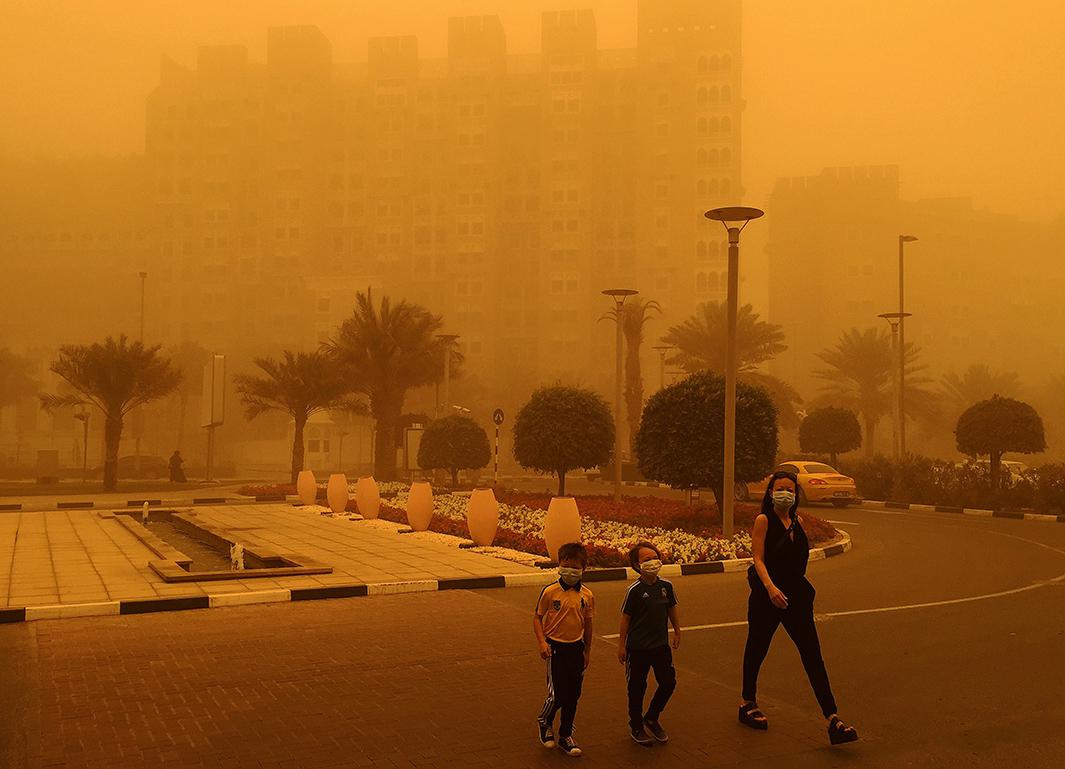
(503, 191)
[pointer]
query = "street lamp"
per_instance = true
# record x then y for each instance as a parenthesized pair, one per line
(144, 278)
(619, 295)
(448, 340)
(730, 217)
(895, 319)
(903, 239)
(83, 417)
(662, 349)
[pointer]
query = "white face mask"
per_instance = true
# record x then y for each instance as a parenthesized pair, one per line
(783, 498)
(651, 567)
(570, 576)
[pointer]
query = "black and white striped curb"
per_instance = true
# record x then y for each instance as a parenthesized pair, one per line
(90, 504)
(1017, 515)
(279, 595)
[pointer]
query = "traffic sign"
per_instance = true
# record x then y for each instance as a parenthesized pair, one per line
(497, 416)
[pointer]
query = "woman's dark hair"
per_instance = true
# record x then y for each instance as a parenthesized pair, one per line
(634, 554)
(573, 551)
(767, 499)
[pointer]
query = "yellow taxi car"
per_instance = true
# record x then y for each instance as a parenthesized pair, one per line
(818, 482)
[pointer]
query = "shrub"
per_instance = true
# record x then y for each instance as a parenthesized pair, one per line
(562, 429)
(998, 425)
(454, 443)
(680, 441)
(831, 431)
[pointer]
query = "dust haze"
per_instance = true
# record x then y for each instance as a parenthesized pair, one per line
(228, 178)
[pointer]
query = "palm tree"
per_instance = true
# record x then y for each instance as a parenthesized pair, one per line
(859, 377)
(701, 339)
(116, 377)
(300, 385)
(978, 383)
(189, 358)
(16, 378)
(634, 316)
(388, 349)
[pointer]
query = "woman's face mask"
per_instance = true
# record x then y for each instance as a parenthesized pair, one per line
(570, 576)
(783, 498)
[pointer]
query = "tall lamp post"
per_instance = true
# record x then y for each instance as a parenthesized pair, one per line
(619, 295)
(138, 414)
(448, 340)
(895, 319)
(730, 218)
(83, 417)
(662, 349)
(903, 240)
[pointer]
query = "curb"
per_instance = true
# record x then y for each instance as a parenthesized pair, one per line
(1016, 515)
(359, 590)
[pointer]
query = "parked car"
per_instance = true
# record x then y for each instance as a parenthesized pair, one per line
(818, 482)
(1015, 469)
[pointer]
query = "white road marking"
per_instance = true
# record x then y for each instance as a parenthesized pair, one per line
(843, 523)
(1058, 580)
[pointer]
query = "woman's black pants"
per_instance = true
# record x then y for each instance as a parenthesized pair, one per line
(798, 620)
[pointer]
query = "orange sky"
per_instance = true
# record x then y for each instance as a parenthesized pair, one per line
(966, 96)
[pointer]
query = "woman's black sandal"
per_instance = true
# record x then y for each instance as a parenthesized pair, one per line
(839, 732)
(751, 716)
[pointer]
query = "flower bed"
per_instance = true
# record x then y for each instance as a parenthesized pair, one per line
(608, 531)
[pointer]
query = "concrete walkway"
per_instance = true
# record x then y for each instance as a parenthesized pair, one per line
(79, 557)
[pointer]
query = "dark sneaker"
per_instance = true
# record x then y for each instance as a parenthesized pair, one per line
(656, 730)
(568, 746)
(547, 737)
(641, 737)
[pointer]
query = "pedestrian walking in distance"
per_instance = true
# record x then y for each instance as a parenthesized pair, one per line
(177, 474)
(643, 643)
(562, 622)
(781, 595)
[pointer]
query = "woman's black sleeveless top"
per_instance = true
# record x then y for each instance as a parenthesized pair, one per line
(785, 559)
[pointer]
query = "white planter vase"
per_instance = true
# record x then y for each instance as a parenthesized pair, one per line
(420, 506)
(562, 525)
(482, 517)
(368, 497)
(336, 493)
(306, 487)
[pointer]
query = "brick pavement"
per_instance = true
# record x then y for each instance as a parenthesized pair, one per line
(422, 681)
(79, 557)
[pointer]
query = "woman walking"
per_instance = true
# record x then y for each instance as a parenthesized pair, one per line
(781, 595)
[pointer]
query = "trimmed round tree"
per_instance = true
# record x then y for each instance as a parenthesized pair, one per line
(562, 429)
(454, 443)
(681, 437)
(831, 431)
(996, 426)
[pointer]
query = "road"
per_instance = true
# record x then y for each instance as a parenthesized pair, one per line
(943, 637)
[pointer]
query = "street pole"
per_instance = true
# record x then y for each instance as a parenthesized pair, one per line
(448, 340)
(895, 319)
(619, 295)
(662, 349)
(728, 490)
(903, 240)
(138, 415)
(495, 467)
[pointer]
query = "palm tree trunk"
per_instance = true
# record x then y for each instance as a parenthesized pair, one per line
(297, 448)
(633, 393)
(870, 434)
(454, 477)
(112, 439)
(387, 412)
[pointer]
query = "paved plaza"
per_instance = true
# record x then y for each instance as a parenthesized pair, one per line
(956, 668)
(69, 557)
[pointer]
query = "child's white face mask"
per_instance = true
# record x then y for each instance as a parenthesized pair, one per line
(570, 576)
(651, 567)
